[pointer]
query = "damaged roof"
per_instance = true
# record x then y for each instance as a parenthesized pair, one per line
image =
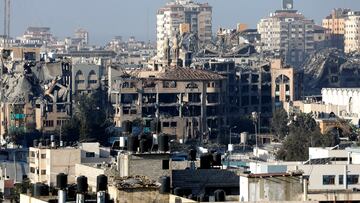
(137, 181)
(180, 73)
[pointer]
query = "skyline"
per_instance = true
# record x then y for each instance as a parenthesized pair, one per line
(124, 15)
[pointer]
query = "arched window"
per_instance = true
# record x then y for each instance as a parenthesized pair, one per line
(92, 78)
(79, 78)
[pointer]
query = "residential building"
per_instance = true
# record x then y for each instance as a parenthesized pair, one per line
(175, 13)
(187, 102)
(82, 36)
(21, 53)
(86, 77)
(335, 25)
(255, 89)
(352, 32)
(332, 171)
(45, 163)
(37, 98)
(321, 38)
(42, 34)
(267, 187)
(288, 33)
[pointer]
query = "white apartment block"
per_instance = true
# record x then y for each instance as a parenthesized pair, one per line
(352, 32)
(331, 173)
(46, 163)
(288, 33)
(173, 14)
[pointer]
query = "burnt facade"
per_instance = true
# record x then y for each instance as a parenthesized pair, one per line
(184, 102)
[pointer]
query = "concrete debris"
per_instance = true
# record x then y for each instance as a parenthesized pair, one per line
(330, 68)
(135, 182)
(225, 45)
(26, 81)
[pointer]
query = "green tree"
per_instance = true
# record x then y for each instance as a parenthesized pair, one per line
(70, 130)
(304, 133)
(92, 113)
(279, 123)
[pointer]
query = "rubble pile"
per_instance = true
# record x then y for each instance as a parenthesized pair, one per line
(135, 182)
(227, 45)
(28, 81)
(20, 87)
(330, 68)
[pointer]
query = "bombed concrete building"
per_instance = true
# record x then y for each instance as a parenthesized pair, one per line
(330, 68)
(186, 102)
(35, 95)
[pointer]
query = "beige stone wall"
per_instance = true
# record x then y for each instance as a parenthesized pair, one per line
(150, 166)
(27, 199)
(143, 195)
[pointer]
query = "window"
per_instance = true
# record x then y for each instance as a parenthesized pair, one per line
(43, 172)
(341, 179)
(90, 154)
(49, 123)
(352, 179)
(32, 170)
(166, 124)
(165, 164)
(328, 180)
(43, 156)
(173, 124)
(169, 84)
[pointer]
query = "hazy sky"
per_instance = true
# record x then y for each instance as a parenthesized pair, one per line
(107, 18)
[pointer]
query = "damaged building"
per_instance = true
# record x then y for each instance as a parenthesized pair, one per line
(259, 86)
(330, 68)
(186, 102)
(35, 95)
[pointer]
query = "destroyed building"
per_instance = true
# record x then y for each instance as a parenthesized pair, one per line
(35, 95)
(330, 68)
(186, 102)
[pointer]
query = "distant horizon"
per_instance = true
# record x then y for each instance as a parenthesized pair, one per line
(137, 18)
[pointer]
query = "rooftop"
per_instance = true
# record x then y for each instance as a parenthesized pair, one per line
(271, 175)
(132, 182)
(180, 73)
